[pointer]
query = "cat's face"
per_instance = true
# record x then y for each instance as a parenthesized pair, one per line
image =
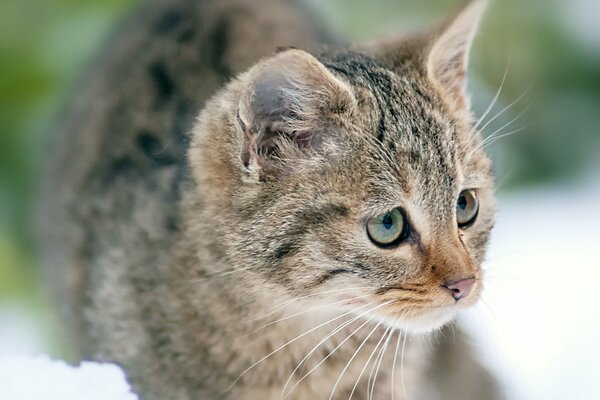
(359, 183)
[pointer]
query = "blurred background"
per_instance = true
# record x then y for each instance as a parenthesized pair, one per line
(540, 325)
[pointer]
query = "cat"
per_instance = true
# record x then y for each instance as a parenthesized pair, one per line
(329, 207)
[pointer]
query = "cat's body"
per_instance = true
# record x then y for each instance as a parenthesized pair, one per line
(187, 262)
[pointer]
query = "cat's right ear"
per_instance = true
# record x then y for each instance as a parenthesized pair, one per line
(286, 109)
(440, 52)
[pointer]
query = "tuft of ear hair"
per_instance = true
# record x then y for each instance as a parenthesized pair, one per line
(289, 99)
(442, 51)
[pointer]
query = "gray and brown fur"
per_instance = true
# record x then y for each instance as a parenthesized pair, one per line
(172, 241)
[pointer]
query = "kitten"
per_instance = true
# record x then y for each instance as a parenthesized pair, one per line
(331, 205)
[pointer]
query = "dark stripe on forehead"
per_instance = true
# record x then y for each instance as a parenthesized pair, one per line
(367, 72)
(406, 122)
(402, 104)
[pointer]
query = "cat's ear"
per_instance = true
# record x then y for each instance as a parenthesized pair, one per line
(286, 106)
(447, 59)
(442, 51)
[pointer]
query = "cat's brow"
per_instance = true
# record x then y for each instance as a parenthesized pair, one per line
(321, 213)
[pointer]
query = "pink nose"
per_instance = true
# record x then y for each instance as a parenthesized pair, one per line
(461, 288)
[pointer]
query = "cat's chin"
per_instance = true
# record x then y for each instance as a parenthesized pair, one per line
(425, 323)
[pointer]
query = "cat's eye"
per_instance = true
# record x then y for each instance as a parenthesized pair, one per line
(387, 229)
(467, 207)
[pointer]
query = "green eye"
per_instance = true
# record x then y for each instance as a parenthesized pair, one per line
(467, 207)
(387, 229)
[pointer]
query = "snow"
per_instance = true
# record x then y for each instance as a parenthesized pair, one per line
(39, 377)
(538, 326)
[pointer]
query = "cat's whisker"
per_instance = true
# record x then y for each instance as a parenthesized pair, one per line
(507, 134)
(367, 363)
(392, 379)
(321, 307)
(297, 338)
(337, 382)
(496, 136)
(339, 328)
(379, 346)
(497, 131)
(282, 305)
(290, 342)
(509, 106)
(402, 367)
(471, 140)
(381, 356)
(494, 100)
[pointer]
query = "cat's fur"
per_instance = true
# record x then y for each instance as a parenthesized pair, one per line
(188, 269)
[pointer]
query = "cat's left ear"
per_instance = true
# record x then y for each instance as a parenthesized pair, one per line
(442, 51)
(287, 109)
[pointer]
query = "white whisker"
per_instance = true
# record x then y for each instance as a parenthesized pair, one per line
(339, 328)
(352, 358)
(402, 367)
(366, 362)
(493, 140)
(380, 342)
(394, 364)
(493, 102)
(494, 118)
(290, 342)
(273, 310)
(381, 356)
(323, 306)
(531, 85)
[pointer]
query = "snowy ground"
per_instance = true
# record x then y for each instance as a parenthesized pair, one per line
(39, 378)
(538, 327)
(539, 323)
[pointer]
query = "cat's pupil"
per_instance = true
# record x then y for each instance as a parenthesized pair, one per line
(462, 202)
(388, 221)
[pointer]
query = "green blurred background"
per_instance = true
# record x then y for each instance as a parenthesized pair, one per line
(45, 45)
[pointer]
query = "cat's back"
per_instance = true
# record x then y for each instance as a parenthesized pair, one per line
(112, 182)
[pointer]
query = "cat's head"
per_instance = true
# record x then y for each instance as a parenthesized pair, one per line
(354, 177)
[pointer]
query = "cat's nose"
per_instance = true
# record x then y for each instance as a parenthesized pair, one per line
(461, 288)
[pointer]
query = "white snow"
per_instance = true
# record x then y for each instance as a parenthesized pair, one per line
(538, 326)
(40, 378)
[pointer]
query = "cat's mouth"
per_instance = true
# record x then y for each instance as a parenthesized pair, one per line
(425, 313)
